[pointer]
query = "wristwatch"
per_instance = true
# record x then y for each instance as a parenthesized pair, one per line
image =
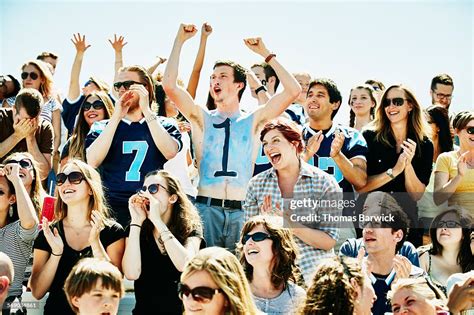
(390, 173)
(261, 88)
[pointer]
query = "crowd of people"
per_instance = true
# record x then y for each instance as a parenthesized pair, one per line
(213, 209)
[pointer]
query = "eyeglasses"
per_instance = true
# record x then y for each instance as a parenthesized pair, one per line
(97, 105)
(441, 95)
(24, 163)
(33, 75)
(199, 294)
(448, 224)
(74, 178)
(256, 237)
(152, 189)
(126, 84)
(470, 130)
(397, 101)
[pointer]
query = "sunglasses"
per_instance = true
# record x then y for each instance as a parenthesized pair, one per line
(152, 189)
(32, 75)
(470, 130)
(256, 237)
(448, 224)
(126, 84)
(199, 294)
(25, 163)
(97, 105)
(74, 178)
(397, 101)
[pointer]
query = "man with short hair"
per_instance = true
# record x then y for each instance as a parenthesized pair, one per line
(6, 276)
(225, 139)
(22, 130)
(441, 91)
(9, 87)
(133, 142)
(267, 76)
(50, 58)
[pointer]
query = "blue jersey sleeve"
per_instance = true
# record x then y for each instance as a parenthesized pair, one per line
(96, 129)
(172, 128)
(355, 144)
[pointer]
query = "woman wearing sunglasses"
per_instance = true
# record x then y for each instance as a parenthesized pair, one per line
(362, 103)
(213, 282)
(18, 225)
(96, 106)
(164, 233)
(268, 255)
(29, 174)
(398, 151)
(450, 251)
(454, 171)
(417, 297)
(83, 228)
(340, 287)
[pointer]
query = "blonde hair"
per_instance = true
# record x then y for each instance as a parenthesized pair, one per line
(97, 199)
(421, 287)
(46, 88)
(226, 271)
(417, 125)
(84, 276)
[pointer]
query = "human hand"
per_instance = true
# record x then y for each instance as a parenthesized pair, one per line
(401, 164)
(118, 43)
(24, 127)
(53, 238)
(402, 267)
(97, 222)
(409, 149)
(337, 144)
(461, 297)
(185, 32)
(184, 126)
(257, 46)
(143, 96)
(252, 80)
(137, 205)
(206, 30)
(12, 172)
(462, 163)
(123, 104)
(80, 43)
(315, 142)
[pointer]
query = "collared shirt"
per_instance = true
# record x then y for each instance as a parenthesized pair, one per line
(312, 185)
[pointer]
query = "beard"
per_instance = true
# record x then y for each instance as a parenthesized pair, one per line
(134, 107)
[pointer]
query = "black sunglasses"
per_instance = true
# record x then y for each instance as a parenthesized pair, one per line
(199, 294)
(152, 189)
(397, 101)
(25, 163)
(470, 130)
(448, 224)
(74, 178)
(96, 105)
(256, 237)
(126, 84)
(32, 75)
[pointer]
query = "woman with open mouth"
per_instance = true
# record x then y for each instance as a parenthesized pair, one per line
(292, 178)
(96, 106)
(454, 171)
(399, 152)
(165, 232)
(268, 255)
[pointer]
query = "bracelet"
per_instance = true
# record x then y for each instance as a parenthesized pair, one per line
(137, 225)
(151, 118)
(269, 57)
(261, 88)
(56, 255)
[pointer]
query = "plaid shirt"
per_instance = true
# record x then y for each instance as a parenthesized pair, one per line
(313, 184)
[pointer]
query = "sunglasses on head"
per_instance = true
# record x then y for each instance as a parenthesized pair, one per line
(448, 224)
(152, 189)
(73, 177)
(96, 105)
(126, 84)
(397, 101)
(32, 75)
(256, 237)
(199, 294)
(24, 163)
(470, 130)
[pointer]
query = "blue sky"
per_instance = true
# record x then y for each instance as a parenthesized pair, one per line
(348, 41)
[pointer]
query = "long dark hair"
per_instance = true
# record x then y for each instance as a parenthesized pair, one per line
(439, 116)
(465, 257)
(369, 90)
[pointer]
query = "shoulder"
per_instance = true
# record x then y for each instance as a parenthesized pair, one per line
(261, 178)
(368, 134)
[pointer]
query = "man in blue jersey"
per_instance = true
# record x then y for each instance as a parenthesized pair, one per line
(225, 139)
(133, 142)
(336, 149)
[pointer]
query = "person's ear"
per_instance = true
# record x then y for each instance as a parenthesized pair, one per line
(12, 199)
(357, 288)
(398, 235)
(336, 105)
(4, 284)
(75, 301)
(173, 198)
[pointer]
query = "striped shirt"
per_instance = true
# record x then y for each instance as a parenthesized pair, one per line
(312, 185)
(17, 243)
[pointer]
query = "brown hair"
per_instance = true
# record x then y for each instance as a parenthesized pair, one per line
(46, 88)
(371, 92)
(461, 120)
(288, 129)
(145, 79)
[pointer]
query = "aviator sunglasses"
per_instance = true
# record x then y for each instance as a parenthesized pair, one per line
(73, 177)
(33, 75)
(397, 101)
(199, 294)
(256, 237)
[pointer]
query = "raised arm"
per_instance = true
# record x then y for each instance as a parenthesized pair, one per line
(117, 45)
(291, 88)
(206, 30)
(26, 209)
(177, 94)
(81, 46)
(152, 68)
(255, 84)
